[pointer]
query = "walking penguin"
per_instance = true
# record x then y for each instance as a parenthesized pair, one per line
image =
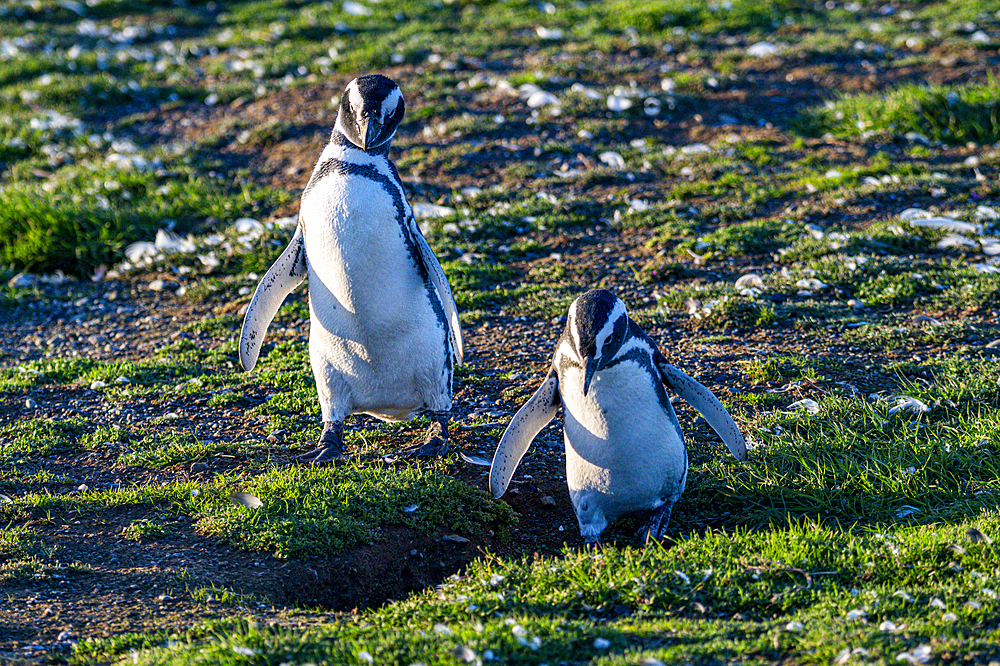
(384, 334)
(625, 451)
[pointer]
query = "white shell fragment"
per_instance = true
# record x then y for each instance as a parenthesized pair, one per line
(356, 9)
(423, 210)
(955, 240)
(762, 49)
(541, 98)
(617, 103)
(475, 460)
(245, 499)
(945, 224)
(612, 159)
(749, 280)
(806, 404)
(549, 33)
(918, 655)
(910, 404)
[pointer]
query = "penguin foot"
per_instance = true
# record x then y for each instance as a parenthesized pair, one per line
(655, 527)
(435, 442)
(331, 445)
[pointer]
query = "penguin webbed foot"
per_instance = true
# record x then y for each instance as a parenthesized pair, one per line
(435, 442)
(655, 527)
(331, 445)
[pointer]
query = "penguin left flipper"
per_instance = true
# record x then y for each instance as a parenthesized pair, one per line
(699, 397)
(526, 424)
(281, 278)
(444, 291)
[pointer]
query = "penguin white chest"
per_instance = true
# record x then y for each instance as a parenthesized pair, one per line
(373, 317)
(624, 451)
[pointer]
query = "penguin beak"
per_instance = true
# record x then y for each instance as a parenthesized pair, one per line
(588, 373)
(370, 130)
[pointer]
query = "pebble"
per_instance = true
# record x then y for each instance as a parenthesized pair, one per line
(464, 654)
(762, 50)
(157, 285)
(617, 103)
(22, 280)
(856, 305)
(277, 437)
(30, 403)
(199, 467)
(750, 280)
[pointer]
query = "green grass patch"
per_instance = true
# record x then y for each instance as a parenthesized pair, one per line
(804, 591)
(305, 511)
(954, 115)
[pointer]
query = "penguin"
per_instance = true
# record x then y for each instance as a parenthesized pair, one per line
(384, 335)
(625, 451)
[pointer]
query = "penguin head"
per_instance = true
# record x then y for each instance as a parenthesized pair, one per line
(370, 111)
(596, 326)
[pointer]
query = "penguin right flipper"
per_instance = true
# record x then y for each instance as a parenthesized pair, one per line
(440, 281)
(281, 278)
(702, 399)
(527, 422)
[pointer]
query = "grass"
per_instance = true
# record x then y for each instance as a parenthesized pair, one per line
(303, 512)
(954, 115)
(860, 529)
(804, 591)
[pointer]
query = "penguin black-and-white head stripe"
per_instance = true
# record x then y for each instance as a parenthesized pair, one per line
(370, 112)
(596, 328)
(625, 450)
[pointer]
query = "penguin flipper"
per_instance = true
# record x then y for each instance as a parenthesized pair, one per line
(699, 397)
(527, 422)
(444, 292)
(281, 278)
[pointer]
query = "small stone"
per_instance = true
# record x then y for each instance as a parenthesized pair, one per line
(30, 403)
(762, 49)
(157, 285)
(601, 643)
(547, 500)
(750, 280)
(975, 536)
(83, 487)
(464, 654)
(617, 103)
(199, 467)
(856, 305)
(454, 537)
(277, 437)
(245, 499)
(23, 280)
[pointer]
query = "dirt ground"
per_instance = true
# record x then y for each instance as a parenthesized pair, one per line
(133, 586)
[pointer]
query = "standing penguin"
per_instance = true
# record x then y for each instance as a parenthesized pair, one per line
(625, 450)
(384, 334)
